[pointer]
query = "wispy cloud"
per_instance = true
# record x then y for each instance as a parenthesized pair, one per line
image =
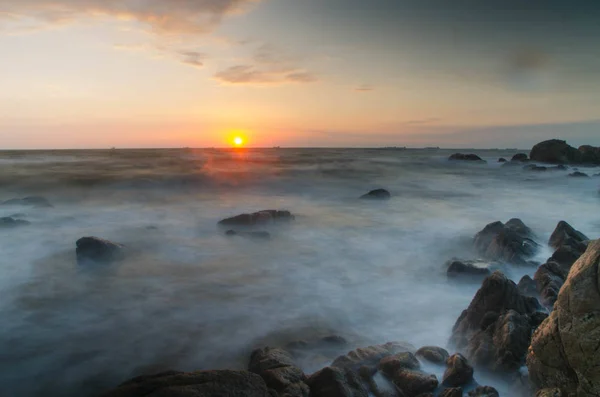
(428, 120)
(267, 66)
(162, 17)
(187, 57)
(364, 88)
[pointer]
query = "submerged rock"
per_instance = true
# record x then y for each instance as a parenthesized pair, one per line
(433, 354)
(465, 157)
(522, 157)
(564, 349)
(279, 372)
(94, 249)
(511, 242)
(377, 194)
(10, 222)
(194, 384)
(556, 151)
(467, 270)
(261, 235)
(458, 373)
(259, 218)
(578, 174)
(31, 201)
(534, 167)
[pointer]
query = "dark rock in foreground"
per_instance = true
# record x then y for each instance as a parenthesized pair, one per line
(377, 194)
(564, 349)
(94, 249)
(32, 201)
(458, 373)
(336, 382)
(259, 218)
(10, 222)
(549, 279)
(563, 234)
(465, 157)
(522, 157)
(494, 330)
(371, 355)
(452, 392)
(511, 242)
(194, 384)
(262, 235)
(433, 354)
(527, 286)
(467, 270)
(276, 367)
(555, 151)
(484, 391)
(578, 174)
(415, 383)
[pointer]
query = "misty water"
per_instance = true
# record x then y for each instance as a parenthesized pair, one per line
(188, 298)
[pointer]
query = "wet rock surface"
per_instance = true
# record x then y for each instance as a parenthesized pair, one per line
(371, 355)
(467, 270)
(277, 368)
(458, 373)
(377, 194)
(511, 242)
(556, 151)
(484, 391)
(336, 382)
(94, 249)
(565, 234)
(260, 218)
(433, 354)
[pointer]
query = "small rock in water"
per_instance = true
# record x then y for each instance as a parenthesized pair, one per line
(502, 160)
(484, 391)
(533, 167)
(465, 157)
(262, 235)
(259, 218)
(377, 194)
(31, 201)
(94, 249)
(579, 174)
(520, 157)
(10, 222)
(511, 242)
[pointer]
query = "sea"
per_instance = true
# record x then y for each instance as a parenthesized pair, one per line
(188, 297)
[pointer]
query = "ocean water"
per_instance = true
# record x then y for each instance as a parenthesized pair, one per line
(187, 297)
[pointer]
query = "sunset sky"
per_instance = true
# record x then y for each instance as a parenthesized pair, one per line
(173, 73)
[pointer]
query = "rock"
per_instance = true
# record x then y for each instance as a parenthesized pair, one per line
(10, 222)
(260, 235)
(511, 242)
(94, 249)
(458, 373)
(31, 201)
(467, 270)
(527, 286)
(194, 384)
(452, 392)
(564, 349)
(533, 167)
(414, 383)
(502, 160)
(378, 194)
(522, 157)
(277, 368)
(563, 233)
(555, 151)
(579, 174)
(334, 340)
(550, 393)
(371, 355)
(590, 154)
(496, 297)
(259, 218)
(433, 354)
(501, 347)
(336, 382)
(484, 391)
(549, 279)
(568, 253)
(465, 157)
(390, 364)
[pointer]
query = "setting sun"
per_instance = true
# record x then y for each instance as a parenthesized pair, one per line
(238, 141)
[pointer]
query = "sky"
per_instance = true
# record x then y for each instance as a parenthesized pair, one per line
(303, 73)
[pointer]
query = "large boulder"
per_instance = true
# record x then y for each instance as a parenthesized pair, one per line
(433, 354)
(377, 194)
(563, 234)
(390, 364)
(527, 286)
(371, 355)
(465, 157)
(414, 383)
(194, 384)
(31, 201)
(259, 218)
(555, 151)
(489, 332)
(564, 349)
(511, 242)
(458, 373)
(277, 368)
(590, 154)
(94, 249)
(336, 382)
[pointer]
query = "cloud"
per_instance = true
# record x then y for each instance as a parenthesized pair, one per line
(187, 57)
(161, 16)
(428, 120)
(364, 88)
(267, 66)
(193, 58)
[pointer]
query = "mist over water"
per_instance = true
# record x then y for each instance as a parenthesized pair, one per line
(188, 298)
